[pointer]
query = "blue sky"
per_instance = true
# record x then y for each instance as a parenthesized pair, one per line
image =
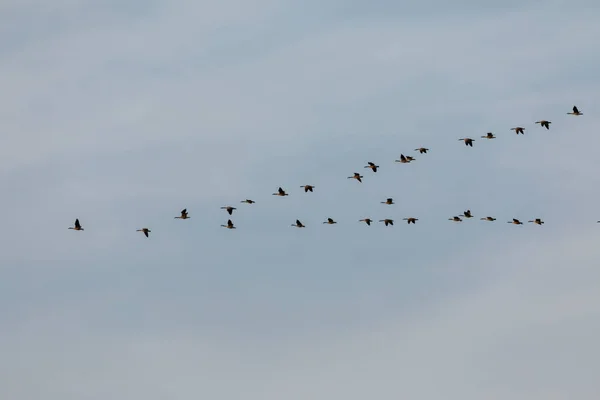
(123, 113)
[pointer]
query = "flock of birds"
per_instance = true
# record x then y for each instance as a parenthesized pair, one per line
(358, 177)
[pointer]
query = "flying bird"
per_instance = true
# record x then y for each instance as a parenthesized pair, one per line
(537, 221)
(298, 224)
(575, 111)
(308, 188)
(356, 176)
(229, 209)
(455, 219)
(403, 159)
(372, 166)
(387, 221)
(488, 219)
(410, 220)
(229, 225)
(77, 226)
(330, 221)
(369, 220)
(422, 150)
(248, 201)
(280, 192)
(184, 214)
(515, 222)
(518, 130)
(388, 201)
(468, 141)
(145, 230)
(489, 135)
(467, 214)
(544, 123)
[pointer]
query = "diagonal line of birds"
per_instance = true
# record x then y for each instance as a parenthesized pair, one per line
(467, 214)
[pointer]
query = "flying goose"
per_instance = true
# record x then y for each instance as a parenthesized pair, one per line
(467, 214)
(410, 220)
(145, 230)
(489, 135)
(184, 214)
(372, 166)
(308, 188)
(330, 221)
(229, 225)
(356, 176)
(455, 219)
(537, 221)
(403, 159)
(488, 219)
(77, 226)
(544, 123)
(369, 220)
(298, 224)
(229, 209)
(468, 141)
(248, 201)
(518, 130)
(387, 221)
(575, 111)
(388, 201)
(422, 150)
(515, 222)
(280, 192)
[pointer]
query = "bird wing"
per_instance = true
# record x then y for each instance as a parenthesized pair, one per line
(77, 225)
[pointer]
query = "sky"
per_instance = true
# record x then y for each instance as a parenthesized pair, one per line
(122, 113)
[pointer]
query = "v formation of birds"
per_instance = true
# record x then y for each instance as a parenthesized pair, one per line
(389, 201)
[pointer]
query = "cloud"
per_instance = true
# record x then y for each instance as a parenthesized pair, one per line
(121, 115)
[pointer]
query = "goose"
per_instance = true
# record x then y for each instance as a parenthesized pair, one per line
(372, 166)
(467, 214)
(229, 225)
(422, 150)
(575, 111)
(184, 214)
(308, 188)
(488, 219)
(518, 130)
(229, 209)
(280, 192)
(369, 220)
(248, 201)
(468, 141)
(298, 224)
(145, 230)
(544, 123)
(410, 220)
(489, 135)
(387, 221)
(330, 221)
(537, 221)
(455, 219)
(356, 176)
(77, 226)
(515, 222)
(403, 159)
(388, 201)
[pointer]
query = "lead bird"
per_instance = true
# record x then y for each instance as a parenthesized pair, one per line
(468, 141)
(356, 176)
(280, 192)
(184, 214)
(544, 123)
(145, 230)
(229, 209)
(77, 226)
(372, 166)
(575, 111)
(229, 225)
